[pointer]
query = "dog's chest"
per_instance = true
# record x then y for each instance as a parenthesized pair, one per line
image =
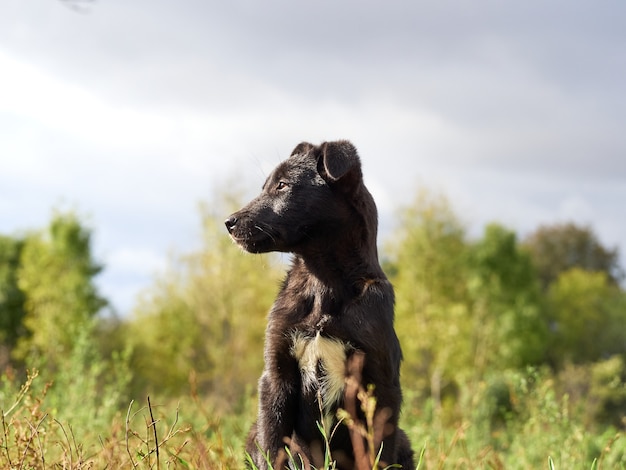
(322, 363)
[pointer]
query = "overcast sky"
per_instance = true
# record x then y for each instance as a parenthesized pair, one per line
(133, 111)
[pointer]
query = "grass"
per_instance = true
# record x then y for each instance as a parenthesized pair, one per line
(189, 434)
(145, 436)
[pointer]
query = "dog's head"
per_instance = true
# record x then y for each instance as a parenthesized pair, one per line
(316, 195)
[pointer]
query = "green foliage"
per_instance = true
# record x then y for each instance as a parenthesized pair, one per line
(11, 297)
(587, 315)
(55, 275)
(59, 412)
(463, 307)
(100, 385)
(520, 421)
(608, 392)
(428, 269)
(85, 391)
(596, 390)
(505, 303)
(540, 410)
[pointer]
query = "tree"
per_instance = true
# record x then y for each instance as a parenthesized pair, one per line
(506, 307)
(587, 314)
(205, 316)
(556, 248)
(56, 274)
(462, 308)
(428, 269)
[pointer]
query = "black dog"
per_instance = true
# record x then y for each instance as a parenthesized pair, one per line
(334, 303)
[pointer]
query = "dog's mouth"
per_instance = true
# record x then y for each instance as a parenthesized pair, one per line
(251, 236)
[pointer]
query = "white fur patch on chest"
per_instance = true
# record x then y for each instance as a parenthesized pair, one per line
(322, 362)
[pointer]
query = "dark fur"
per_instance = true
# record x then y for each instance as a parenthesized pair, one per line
(315, 205)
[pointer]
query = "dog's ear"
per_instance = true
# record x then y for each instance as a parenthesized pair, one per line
(302, 148)
(339, 161)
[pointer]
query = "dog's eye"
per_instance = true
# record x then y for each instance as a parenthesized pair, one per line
(281, 185)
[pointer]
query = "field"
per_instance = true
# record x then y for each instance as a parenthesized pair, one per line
(540, 432)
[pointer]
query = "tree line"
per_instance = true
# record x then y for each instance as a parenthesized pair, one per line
(468, 311)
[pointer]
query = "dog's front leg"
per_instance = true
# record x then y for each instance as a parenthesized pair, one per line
(277, 409)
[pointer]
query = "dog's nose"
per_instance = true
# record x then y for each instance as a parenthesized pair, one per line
(230, 223)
